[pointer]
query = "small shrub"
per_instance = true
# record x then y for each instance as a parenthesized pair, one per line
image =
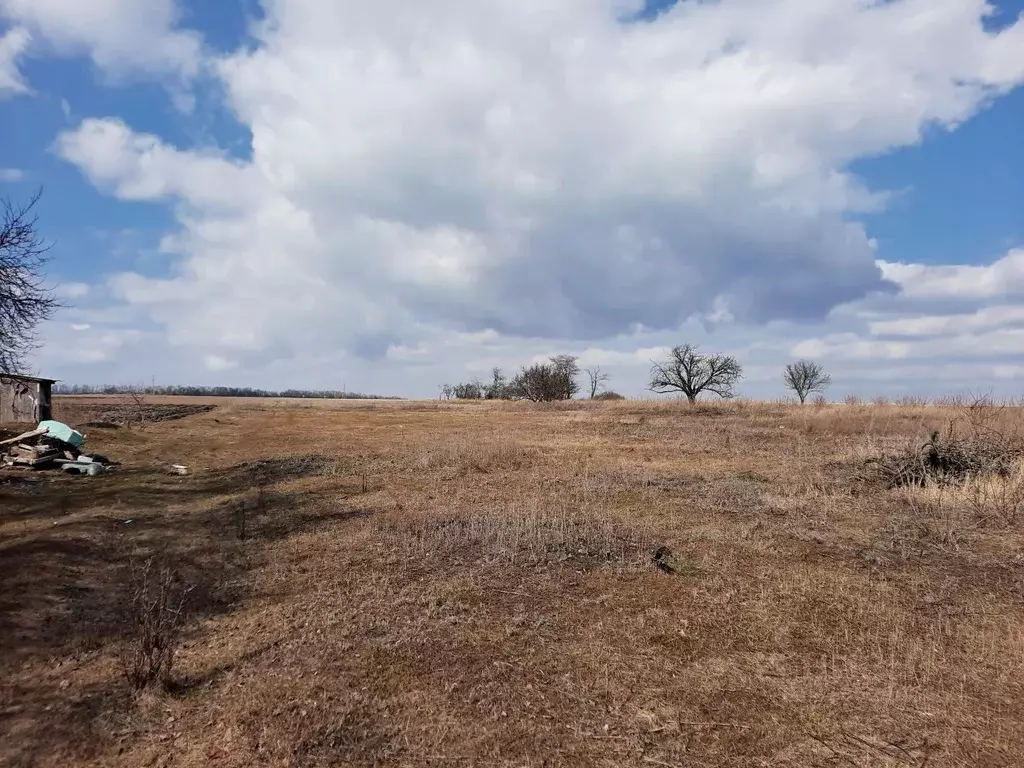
(820, 402)
(609, 395)
(851, 400)
(154, 614)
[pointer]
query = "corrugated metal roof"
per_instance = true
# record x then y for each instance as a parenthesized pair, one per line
(19, 377)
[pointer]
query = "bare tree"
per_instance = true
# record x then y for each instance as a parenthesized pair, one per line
(24, 300)
(498, 389)
(805, 377)
(546, 382)
(471, 390)
(138, 407)
(567, 368)
(689, 372)
(539, 383)
(598, 379)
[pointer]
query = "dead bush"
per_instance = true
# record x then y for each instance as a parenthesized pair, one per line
(967, 476)
(940, 461)
(978, 443)
(155, 611)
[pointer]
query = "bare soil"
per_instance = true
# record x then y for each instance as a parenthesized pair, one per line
(441, 584)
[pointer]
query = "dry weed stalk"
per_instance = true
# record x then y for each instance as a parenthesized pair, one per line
(155, 613)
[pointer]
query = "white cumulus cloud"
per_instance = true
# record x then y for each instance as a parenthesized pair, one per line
(122, 37)
(13, 44)
(1002, 278)
(73, 290)
(544, 171)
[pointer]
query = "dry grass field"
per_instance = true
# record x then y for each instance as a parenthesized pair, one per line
(440, 584)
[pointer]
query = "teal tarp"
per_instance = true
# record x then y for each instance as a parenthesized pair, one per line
(63, 432)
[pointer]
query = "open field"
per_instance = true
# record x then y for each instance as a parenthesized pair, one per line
(441, 584)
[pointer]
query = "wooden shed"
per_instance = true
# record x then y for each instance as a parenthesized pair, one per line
(24, 399)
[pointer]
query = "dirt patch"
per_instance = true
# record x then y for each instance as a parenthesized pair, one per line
(106, 416)
(282, 468)
(153, 413)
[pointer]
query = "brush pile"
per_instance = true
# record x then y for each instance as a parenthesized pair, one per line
(973, 446)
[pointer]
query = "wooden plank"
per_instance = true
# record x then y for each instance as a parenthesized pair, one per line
(41, 461)
(23, 436)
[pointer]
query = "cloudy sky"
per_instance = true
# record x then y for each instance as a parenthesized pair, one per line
(387, 196)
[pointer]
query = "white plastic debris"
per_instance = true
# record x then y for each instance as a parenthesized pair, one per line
(89, 468)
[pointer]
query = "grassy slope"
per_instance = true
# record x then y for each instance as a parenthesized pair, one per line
(471, 585)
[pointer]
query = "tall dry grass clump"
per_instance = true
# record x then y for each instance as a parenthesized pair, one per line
(547, 521)
(494, 453)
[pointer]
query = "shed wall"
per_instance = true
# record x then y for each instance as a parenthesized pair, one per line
(24, 401)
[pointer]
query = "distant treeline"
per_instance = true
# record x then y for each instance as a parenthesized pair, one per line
(175, 391)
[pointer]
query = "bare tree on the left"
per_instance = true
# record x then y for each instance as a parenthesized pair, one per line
(25, 300)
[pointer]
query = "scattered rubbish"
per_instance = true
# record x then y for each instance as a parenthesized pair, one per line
(52, 444)
(89, 468)
(129, 521)
(179, 469)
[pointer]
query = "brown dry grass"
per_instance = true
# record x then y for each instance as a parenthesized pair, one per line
(471, 585)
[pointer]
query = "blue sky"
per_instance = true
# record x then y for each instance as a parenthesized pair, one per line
(410, 183)
(964, 190)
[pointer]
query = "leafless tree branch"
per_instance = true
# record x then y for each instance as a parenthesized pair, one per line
(598, 379)
(25, 301)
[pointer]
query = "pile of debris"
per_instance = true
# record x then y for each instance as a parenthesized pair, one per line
(51, 445)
